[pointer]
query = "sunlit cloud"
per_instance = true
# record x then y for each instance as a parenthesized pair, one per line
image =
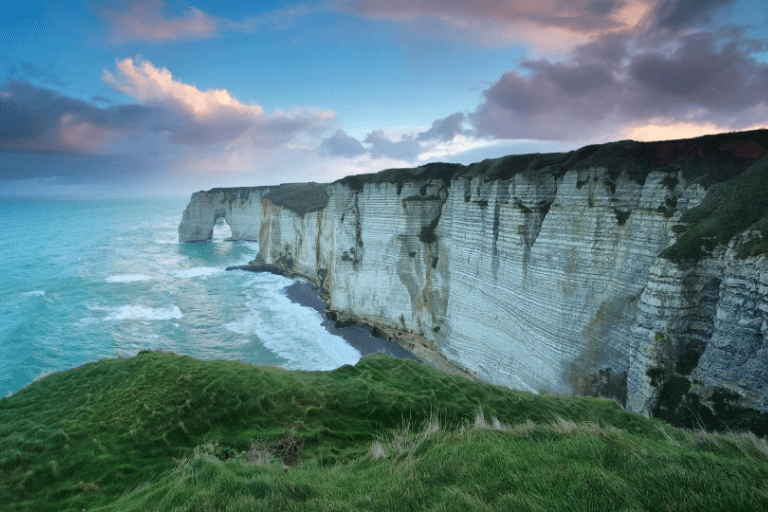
(666, 129)
(143, 81)
(202, 118)
(545, 26)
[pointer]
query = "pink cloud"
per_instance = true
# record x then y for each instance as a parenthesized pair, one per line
(169, 130)
(145, 20)
(548, 26)
(141, 80)
(152, 21)
(660, 128)
(201, 118)
(78, 136)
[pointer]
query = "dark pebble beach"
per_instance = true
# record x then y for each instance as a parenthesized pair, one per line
(359, 337)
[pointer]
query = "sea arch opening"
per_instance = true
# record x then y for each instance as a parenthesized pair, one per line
(221, 228)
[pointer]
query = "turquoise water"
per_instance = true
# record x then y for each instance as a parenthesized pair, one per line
(87, 280)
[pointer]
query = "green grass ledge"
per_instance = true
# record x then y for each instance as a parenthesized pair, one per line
(165, 432)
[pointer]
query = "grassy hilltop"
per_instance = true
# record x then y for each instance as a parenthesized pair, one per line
(165, 432)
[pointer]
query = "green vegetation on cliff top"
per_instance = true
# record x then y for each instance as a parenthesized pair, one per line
(708, 160)
(728, 209)
(300, 198)
(165, 432)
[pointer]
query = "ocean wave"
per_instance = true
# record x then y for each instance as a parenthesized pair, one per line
(293, 332)
(127, 278)
(131, 312)
(248, 257)
(198, 272)
(39, 293)
(168, 242)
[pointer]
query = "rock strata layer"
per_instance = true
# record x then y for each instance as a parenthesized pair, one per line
(537, 272)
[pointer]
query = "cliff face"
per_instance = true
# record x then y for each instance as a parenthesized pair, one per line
(239, 207)
(543, 272)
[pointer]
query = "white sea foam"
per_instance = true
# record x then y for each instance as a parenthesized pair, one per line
(168, 242)
(43, 374)
(198, 272)
(131, 312)
(38, 293)
(128, 278)
(248, 257)
(291, 331)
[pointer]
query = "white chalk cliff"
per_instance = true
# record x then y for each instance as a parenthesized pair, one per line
(537, 272)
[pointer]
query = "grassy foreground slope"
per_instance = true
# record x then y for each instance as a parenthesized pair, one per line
(165, 432)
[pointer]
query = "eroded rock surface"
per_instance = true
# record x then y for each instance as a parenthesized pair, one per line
(537, 272)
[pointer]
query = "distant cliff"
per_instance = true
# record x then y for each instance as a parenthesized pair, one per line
(630, 270)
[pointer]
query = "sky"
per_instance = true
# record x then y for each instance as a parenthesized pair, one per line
(103, 98)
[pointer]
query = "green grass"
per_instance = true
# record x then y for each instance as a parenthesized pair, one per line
(708, 160)
(728, 209)
(165, 432)
(300, 198)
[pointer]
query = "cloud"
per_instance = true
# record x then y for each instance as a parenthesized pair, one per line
(444, 129)
(278, 18)
(200, 118)
(145, 20)
(169, 128)
(341, 144)
(629, 79)
(440, 139)
(41, 120)
(677, 14)
(586, 16)
(445, 137)
(546, 24)
(407, 148)
(29, 71)
(667, 129)
(150, 21)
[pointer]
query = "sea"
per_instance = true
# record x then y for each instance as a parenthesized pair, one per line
(84, 280)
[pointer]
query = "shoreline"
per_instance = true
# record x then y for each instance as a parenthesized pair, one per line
(360, 338)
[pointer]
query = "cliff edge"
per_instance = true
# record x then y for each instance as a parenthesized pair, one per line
(630, 270)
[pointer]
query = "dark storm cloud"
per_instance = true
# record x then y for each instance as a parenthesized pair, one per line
(341, 144)
(600, 7)
(34, 119)
(630, 78)
(702, 75)
(676, 14)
